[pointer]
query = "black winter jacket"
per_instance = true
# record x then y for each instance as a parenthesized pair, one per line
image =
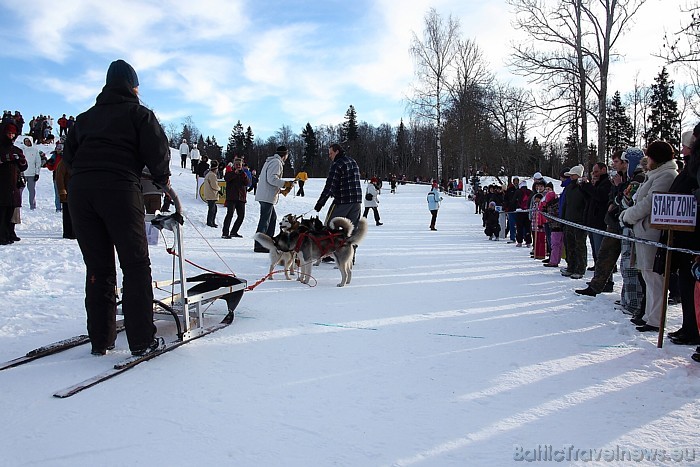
(110, 143)
(574, 204)
(597, 197)
(12, 163)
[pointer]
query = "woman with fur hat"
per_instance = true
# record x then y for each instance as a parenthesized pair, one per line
(106, 151)
(662, 173)
(12, 164)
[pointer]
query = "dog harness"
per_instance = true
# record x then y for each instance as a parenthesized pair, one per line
(318, 241)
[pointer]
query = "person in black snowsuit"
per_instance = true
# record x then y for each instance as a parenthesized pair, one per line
(106, 151)
(12, 163)
(490, 219)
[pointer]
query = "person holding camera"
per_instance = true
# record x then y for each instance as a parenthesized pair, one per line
(237, 181)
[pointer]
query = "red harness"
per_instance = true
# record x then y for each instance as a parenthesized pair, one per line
(318, 241)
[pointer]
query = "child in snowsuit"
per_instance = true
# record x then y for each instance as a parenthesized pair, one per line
(490, 221)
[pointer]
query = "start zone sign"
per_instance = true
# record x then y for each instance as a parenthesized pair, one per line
(673, 211)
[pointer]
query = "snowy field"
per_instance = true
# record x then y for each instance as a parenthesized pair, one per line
(446, 350)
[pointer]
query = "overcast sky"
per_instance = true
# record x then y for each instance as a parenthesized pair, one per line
(266, 63)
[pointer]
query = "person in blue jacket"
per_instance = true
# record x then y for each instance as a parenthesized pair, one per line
(434, 199)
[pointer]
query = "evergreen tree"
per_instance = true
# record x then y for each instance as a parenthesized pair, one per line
(402, 158)
(572, 155)
(592, 151)
(309, 157)
(214, 151)
(349, 131)
(350, 125)
(207, 145)
(231, 146)
(536, 155)
(664, 120)
(186, 133)
(619, 132)
(248, 143)
(239, 135)
(236, 142)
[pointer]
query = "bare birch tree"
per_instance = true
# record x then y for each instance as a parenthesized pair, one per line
(433, 56)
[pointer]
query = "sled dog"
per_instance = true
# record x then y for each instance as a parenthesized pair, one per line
(338, 240)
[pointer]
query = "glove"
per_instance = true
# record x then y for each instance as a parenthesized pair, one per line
(36, 177)
(624, 224)
(288, 185)
(318, 207)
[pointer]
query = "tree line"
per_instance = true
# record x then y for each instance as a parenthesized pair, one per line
(463, 121)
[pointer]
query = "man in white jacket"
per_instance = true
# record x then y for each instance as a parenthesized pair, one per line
(194, 158)
(269, 186)
(184, 153)
(31, 152)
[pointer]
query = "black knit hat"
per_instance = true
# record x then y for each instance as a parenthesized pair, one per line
(121, 73)
(281, 150)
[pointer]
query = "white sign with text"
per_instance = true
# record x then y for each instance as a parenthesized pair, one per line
(673, 211)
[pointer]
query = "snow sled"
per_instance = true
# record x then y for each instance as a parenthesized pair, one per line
(183, 299)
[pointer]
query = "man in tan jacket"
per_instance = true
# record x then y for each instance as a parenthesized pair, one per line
(211, 193)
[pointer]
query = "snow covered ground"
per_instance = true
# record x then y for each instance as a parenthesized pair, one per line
(446, 350)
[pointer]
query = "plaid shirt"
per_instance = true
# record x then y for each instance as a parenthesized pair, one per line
(343, 182)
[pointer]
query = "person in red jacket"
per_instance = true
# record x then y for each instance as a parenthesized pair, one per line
(62, 126)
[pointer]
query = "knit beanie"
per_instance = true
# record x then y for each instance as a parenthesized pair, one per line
(121, 73)
(633, 156)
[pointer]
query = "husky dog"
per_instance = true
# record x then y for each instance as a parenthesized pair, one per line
(338, 240)
(278, 255)
(289, 222)
(310, 241)
(283, 256)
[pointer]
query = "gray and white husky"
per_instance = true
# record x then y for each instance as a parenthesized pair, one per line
(339, 240)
